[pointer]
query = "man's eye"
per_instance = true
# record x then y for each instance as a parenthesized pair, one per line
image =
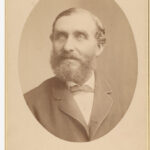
(81, 36)
(60, 36)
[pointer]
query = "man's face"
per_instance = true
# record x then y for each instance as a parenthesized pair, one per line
(74, 43)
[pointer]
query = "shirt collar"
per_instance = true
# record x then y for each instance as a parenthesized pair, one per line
(90, 82)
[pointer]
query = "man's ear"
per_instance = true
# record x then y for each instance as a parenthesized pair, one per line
(99, 49)
(51, 37)
(101, 40)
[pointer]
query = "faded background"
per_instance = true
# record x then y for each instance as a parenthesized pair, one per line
(28, 48)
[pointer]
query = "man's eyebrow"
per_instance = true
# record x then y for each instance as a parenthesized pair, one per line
(60, 31)
(81, 32)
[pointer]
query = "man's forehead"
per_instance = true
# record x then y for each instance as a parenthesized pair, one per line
(76, 21)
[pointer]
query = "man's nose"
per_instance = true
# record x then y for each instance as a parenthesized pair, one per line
(69, 44)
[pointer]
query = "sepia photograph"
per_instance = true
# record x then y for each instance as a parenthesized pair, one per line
(89, 92)
(78, 66)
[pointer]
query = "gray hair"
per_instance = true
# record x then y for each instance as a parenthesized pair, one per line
(100, 34)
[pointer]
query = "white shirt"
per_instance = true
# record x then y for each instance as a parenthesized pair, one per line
(84, 100)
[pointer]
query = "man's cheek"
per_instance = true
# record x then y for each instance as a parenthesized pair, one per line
(58, 47)
(57, 52)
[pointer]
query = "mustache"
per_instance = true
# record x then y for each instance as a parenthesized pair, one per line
(69, 56)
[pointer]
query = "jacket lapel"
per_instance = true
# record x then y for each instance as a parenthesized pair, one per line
(101, 106)
(67, 104)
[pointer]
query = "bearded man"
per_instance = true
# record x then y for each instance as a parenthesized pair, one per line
(77, 104)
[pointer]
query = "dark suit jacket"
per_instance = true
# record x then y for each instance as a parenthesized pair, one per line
(53, 106)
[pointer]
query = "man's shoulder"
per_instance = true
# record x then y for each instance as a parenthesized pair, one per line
(41, 91)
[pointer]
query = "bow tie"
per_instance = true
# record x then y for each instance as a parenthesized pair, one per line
(83, 88)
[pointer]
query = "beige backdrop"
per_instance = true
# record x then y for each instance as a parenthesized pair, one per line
(23, 131)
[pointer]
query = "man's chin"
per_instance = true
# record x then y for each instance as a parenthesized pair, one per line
(71, 70)
(71, 62)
